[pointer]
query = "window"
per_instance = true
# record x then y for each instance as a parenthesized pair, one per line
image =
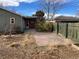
(12, 20)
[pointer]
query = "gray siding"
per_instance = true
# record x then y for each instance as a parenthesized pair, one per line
(5, 21)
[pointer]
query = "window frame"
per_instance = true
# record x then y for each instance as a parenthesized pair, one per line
(12, 20)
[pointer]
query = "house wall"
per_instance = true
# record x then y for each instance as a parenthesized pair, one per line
(5, 21)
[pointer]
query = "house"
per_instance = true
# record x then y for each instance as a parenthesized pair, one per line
(11, 21)
(66, 19)
(29, 22)
(68, 26)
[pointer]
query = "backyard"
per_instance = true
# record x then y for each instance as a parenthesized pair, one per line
(39, 29)
(37, 45)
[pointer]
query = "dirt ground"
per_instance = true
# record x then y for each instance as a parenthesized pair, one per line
(35, 45)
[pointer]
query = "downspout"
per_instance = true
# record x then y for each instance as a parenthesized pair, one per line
(22, 28)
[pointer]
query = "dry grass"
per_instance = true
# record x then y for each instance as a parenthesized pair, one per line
(25, 47)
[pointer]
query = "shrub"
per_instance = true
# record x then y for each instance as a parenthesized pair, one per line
(44, 26)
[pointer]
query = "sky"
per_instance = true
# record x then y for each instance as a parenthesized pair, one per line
(29, 7)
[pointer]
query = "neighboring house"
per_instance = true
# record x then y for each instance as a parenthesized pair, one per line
(11, 21)
(69, 27)
(66, 19)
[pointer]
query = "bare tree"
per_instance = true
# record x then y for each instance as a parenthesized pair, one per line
(51, 6)
(76, 4)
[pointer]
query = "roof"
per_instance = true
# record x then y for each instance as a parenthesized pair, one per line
(10, 11)
(18, 14)
(66, 19)
(30, 16)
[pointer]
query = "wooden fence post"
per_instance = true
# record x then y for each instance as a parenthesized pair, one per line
(66, 30)
(57, 28)
(76, 34)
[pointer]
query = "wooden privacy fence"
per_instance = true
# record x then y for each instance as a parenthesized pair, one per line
(69, 30)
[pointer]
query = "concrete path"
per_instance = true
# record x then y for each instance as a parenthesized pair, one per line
(51, 38)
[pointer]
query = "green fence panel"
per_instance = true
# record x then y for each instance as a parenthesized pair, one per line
(73, 30)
